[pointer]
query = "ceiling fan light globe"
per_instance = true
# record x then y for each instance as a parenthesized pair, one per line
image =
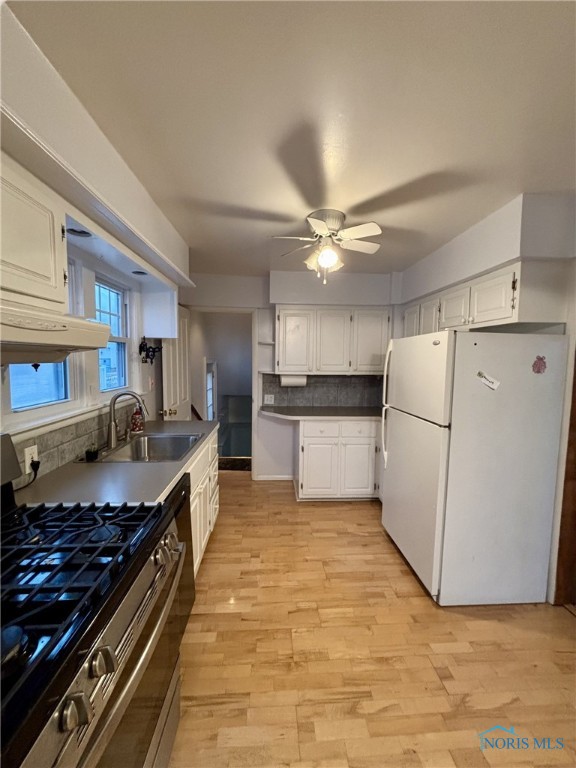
(327, 257)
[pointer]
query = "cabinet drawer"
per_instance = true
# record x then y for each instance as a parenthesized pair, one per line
(321, 428)
(359, 429)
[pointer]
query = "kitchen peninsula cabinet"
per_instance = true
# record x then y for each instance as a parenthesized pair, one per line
(329, 340)
(33, 253)
(337, 459)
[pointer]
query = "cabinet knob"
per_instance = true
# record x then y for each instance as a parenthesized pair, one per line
(162, 413)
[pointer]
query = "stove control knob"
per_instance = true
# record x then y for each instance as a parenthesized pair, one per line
(104, 662)
(162, 556)
(171, 541)
(77, 711)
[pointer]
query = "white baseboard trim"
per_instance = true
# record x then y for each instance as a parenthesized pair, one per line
(273, 477)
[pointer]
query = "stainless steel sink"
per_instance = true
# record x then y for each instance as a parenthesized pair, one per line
(154, 448)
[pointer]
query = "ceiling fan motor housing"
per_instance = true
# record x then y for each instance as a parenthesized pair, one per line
(333, 219)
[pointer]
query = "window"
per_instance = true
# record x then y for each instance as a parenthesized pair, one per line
(30, 387)
(111, 309)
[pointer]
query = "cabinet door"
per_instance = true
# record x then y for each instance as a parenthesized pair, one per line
(204, 492)
(454, 308)
(196, 530)
(357, 458)
(33, 246)
(333, 340)
(176, 387)
(214, 507)
(295, 341)
(412, 320)
(429, 316)
(319, 477)
(370, 339)
(491, 299)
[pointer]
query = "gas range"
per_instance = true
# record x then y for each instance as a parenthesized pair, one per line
(66, 570)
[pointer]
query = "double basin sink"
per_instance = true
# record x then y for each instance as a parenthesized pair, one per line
(153, 448)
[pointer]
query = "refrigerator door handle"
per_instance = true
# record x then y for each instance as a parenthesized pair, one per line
(386, 367)
(384, 449)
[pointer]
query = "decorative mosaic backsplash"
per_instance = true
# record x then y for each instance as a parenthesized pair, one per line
(326, 390)
(64, 444)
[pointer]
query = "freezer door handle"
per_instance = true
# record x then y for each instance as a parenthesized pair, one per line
(384, 449)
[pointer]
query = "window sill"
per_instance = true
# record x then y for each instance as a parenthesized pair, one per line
(39, 426)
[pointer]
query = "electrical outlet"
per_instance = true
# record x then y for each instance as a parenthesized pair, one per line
(268, 399)
(30, 455)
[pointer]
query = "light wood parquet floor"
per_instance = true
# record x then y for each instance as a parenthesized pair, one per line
(312, 645)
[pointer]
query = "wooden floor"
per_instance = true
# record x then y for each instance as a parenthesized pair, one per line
(312, 644)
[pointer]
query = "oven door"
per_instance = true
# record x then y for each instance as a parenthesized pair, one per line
(137, 727)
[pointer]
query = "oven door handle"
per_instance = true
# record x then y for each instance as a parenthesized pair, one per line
(106, 728)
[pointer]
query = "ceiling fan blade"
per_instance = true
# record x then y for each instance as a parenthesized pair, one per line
(301, 247)
(421, 188)
(237, 211)
(364, 246)
(319, 226)
(361, 230)
(300, 154)
(290, 237)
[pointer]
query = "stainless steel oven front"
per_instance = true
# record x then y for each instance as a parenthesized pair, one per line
(123, 706)
(139, 727)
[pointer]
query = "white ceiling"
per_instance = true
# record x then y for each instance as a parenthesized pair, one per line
(240, 118)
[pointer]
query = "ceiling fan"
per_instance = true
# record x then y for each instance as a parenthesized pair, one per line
(326, 231)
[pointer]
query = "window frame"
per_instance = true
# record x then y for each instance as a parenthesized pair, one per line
(105, 282)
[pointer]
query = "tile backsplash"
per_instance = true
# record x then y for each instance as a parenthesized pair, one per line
(326, 390)
(64, 444)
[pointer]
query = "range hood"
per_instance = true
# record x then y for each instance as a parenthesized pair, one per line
(37, 336)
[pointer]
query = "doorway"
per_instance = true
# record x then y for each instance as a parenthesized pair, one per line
(228, 337)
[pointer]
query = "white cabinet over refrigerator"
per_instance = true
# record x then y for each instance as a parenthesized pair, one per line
(471, 433)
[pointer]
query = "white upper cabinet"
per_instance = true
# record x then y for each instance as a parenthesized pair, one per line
(371, 331)
(454, 307)
(412, 320)
(492, 298)
(535, 291)
(429, 315)
(295, 341)
(33, 254)
(331, 340)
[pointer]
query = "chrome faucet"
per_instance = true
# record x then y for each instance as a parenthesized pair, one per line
(113, 426)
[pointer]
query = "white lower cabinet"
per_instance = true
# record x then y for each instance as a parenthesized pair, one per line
(319, 467)
(204, 499)
(357, 466)
(337, 459)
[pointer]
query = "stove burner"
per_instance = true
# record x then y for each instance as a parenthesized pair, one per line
(15, 650)
(14, 522)
(108, 534)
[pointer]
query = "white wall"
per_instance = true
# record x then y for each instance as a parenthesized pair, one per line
(226, 292)
(488, 244)
(341, 289)
(46, 128)
(532, 226)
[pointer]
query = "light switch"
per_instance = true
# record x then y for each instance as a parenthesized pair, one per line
(268, 399)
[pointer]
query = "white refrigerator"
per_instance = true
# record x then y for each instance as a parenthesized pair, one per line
(470, 441)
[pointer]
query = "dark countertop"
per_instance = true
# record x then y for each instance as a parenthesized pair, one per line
(301, 412)
(131, 482)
